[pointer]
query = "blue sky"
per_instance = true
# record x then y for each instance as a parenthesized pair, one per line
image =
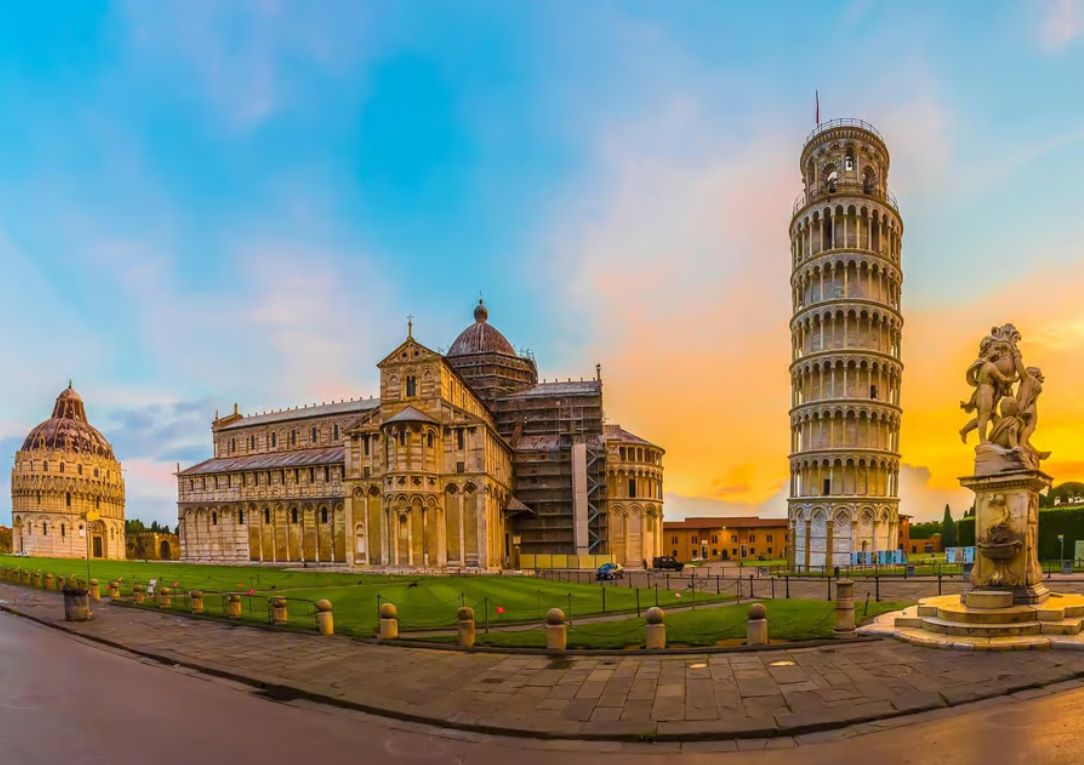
(207, 202)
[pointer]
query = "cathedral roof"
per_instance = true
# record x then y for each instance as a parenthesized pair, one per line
(297, 458)
(481, 337)
(68, 429)
(353, 406)
(410, 414)
(618, 433)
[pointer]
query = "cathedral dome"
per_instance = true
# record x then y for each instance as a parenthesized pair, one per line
(68, 429)
(481, 337)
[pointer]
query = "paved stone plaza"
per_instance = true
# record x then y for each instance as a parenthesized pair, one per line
(704, 695)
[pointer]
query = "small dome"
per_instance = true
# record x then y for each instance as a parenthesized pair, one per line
(68, 429)
(481, 337)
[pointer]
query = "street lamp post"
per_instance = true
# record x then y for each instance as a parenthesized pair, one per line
(1061, 541)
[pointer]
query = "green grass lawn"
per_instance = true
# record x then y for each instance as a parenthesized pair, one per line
(424, 602)
(787, 620)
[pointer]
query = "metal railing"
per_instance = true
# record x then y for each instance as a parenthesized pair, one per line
(824, 127)
(844, 186)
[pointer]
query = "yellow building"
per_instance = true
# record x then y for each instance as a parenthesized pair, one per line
(726, 538)
(65, 473)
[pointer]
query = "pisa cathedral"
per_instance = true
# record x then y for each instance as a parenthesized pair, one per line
(67, 491)
(845, 235)
(465, 461)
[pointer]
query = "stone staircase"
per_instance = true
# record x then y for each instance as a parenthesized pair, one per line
(987, 620)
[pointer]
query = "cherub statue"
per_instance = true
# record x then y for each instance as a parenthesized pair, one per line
(1031, 385)
(992, 375)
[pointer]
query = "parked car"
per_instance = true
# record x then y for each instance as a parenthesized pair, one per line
(609, 572)
(662, 562)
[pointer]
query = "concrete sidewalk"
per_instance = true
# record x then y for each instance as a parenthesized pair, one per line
(690, 696)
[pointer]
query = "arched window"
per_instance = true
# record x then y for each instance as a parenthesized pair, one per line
(97, 503)
(61, 467)
(293, 438)
(79, 469)
(323, 515)
(63, 531)
(411, 386)
(336, 430)
(266, 516)
(402, 437)
(233, 445)
(44, 529)
(274, 440)
(429, 440)
(848, 160)
(68, 499)
(95, 472)
(214, 519)
(293, 515)
(314, 435)
(45, 466)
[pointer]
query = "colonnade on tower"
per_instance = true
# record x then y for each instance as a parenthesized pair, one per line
(846, 331)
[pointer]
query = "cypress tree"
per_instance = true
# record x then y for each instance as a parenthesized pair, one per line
(948, 529)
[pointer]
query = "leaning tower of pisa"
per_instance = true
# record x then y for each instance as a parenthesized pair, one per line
(845, 245)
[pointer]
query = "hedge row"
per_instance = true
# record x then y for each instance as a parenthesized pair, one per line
(1052, 522)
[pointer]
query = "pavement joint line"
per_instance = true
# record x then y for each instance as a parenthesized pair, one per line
(772, 731)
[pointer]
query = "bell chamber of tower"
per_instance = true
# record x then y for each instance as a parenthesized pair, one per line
(845, 237)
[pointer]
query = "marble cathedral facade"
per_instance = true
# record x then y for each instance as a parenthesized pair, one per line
(463, 461)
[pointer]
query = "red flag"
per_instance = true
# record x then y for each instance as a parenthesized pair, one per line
(818, 97)
(500, 609)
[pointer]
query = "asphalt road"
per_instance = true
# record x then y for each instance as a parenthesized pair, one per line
(66, 701)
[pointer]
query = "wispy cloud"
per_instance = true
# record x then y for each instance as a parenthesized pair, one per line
(244, 59)
(1061, 22)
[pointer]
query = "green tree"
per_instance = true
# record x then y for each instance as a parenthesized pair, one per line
(949, 537)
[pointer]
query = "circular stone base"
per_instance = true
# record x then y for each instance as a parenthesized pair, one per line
(954, 621)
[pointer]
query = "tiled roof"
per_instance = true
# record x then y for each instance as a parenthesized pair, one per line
(270, 461)
(618, 433)
(557, 388)
(306, 412)
(725, 521)
(410, 414)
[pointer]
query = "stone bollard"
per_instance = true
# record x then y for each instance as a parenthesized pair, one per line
(844, 615)
(655, 632)
(24, 576)
(278, 611)
(114, 590)
(195, 601)
(233, 606)
(165, 597)
(138, 594)
(95, 590)
(76, 605)
(467, 632)
(61, 581)
(35, 579)
(756, 629)
(556, 631)
(50, 581)
(389, 622)
(325, 622)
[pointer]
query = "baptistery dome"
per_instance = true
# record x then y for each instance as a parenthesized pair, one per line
(68, 429)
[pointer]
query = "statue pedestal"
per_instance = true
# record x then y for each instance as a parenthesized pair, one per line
(1007, 529)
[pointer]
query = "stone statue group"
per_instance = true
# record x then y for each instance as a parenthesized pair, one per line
(1002, 417)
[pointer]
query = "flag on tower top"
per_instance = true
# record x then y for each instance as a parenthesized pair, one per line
(818, 97)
